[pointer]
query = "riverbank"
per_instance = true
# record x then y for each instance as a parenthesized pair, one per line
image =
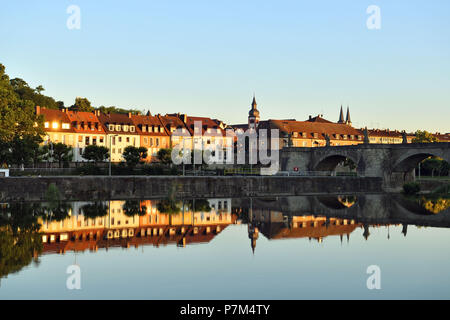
(88, 188)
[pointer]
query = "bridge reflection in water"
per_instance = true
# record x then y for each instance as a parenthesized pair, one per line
(28, 230)
(318, 217)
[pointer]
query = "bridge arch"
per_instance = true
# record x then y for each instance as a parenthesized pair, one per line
(330, 162)
(338, 202)
(411, 159)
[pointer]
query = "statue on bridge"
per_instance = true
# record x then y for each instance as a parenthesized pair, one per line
(366, 136)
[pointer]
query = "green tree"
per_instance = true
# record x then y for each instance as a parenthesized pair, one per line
(133, 155)
(424, 137)
(82, 104)
(61, 153)
(23, 150)
(96, 153)
(39, 89)
(17, 116)
(164, 156)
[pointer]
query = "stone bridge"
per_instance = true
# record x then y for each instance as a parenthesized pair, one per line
(394, 163)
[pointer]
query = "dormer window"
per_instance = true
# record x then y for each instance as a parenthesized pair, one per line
(125, 128)
(111, 127)
(143, 128)
(118, 127)
(132, 129)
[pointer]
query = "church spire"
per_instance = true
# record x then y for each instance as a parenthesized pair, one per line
(341, 116)
(348, 120)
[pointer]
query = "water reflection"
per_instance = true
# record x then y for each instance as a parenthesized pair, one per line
(28, 230)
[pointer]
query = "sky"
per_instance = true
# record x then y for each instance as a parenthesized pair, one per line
(208, 58)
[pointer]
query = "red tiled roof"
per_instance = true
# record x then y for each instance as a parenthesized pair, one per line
(320, 128)
(150, 121)
(117, 119)
(318, 119)
(53, 115)
(88, 119)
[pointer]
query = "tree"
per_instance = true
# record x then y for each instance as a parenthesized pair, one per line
(23, 150)
(96, 153)
(424, 137)
(61, 153)
(133, 155)
(82, 104)
(17, 116)
(165, 156)
(39, 89)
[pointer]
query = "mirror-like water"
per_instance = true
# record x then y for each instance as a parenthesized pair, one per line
(311, 247)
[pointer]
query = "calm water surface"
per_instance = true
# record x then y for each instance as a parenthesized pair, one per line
(280, 248)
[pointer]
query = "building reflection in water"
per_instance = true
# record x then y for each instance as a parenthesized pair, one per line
(278, 225)
(136, 223)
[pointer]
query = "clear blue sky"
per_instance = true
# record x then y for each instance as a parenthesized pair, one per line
(208, 57)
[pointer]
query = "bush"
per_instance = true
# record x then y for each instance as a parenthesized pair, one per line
(411, 188)
(90, 170)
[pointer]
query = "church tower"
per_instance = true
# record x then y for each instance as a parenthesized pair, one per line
(253, 115)
(348, 120)
(341, 116)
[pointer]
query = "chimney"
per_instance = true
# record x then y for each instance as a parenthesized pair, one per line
(129, 114)
(310, 117)
(38, 110)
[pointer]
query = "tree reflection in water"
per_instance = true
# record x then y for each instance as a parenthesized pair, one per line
(20, 240)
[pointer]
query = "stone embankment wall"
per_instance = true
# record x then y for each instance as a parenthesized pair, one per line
(148, 187)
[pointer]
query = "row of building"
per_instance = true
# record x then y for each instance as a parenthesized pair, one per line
(154, 132)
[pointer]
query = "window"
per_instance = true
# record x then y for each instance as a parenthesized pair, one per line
(118, 127)
(113, 150)
(128, 139)
(87, 141)
(120, 139)
(55, 125)
(132, 128)
(145, 140)
(101, 139)
(46, 125)
(157, 142)
(151, 142)
(111, 127)
(125, 128)
(80, 138)
(66, 126)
